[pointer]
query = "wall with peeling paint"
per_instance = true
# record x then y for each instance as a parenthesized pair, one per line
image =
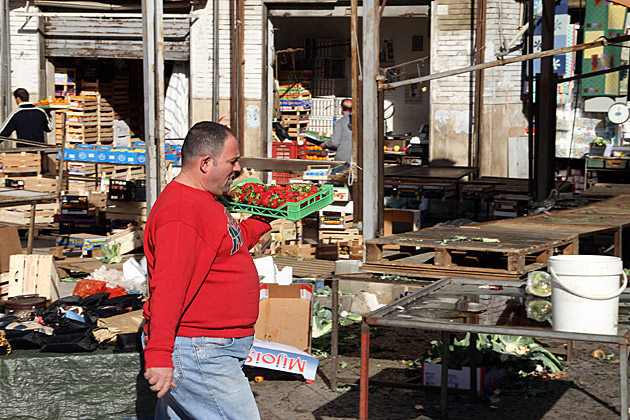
(451, 112)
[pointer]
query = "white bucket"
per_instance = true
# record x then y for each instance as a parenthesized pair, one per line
(585, 293)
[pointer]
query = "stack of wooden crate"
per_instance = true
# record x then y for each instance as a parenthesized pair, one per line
(20, 163)
(82, 119)
(121, 96)
(105, 121)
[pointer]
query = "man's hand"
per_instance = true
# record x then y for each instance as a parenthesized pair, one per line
(160, 379)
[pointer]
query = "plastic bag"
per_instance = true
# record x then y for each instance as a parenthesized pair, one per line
(87, 287)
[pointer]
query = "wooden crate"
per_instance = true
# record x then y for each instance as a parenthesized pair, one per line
(484, 252)
(299, 251)
(348, 250)
(30, 274)
(22, 162)
(132, 211)
(21, 215)
(334, 236)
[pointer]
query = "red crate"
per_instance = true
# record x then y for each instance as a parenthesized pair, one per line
(291, 150)
(283, 178)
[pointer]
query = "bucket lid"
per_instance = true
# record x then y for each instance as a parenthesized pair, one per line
(25, 302)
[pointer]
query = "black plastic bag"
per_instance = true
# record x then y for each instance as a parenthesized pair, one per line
(127, 342)
(70, 343)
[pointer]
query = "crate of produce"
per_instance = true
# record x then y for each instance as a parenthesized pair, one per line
(284, 178)
(289, 210)
(287, 150)
(74, 205)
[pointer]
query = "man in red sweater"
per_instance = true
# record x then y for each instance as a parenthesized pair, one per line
(203, 285)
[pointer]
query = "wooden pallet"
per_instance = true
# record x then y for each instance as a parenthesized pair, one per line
(435, 252)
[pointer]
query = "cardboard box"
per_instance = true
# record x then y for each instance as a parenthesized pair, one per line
(270, 355)
(460, 379)
(286, 315)
(11, 245)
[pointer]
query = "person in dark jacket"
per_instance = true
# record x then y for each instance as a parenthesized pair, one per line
(28, 121)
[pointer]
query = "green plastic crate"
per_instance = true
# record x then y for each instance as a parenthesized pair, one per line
(290, 211)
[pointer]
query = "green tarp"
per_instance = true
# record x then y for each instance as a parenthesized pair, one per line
(101, 385)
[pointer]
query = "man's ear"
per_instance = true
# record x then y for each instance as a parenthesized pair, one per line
(204, 164)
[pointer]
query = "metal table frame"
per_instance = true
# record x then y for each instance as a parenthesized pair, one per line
(378, 318)
(12, 197)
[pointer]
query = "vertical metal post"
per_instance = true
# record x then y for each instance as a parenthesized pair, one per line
(473, 364)
(530, 96)
(148, 39)
(446, 338)
(371, 173)
(215, 60)
(153, 66)
(480, 44)
(356, 107)
(365, 371)
(623, 375)
(62, 159)
(380, 163)
(31, 229)
(160, 95)
(5, 60)
(545, 136)
(240, 59)
(334, 339)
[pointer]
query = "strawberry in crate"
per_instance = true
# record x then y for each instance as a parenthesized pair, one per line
(272, 196)
(290, 202)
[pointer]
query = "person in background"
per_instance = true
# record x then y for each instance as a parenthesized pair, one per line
(28, 121)
(341, 139)
(203, 287)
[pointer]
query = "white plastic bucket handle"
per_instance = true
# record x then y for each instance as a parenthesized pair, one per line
(586, 296)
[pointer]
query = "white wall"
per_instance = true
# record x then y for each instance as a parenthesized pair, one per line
(408, 117)
(24, 51)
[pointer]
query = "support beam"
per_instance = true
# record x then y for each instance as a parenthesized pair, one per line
(504, 62)
(545, 133)
(371, 172)
(480, 49)
(357, 187)
(153, 69)
(5, 61)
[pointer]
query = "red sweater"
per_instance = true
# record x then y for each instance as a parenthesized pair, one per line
(202, 279)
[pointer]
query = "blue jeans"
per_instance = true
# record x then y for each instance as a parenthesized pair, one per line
(210, 381)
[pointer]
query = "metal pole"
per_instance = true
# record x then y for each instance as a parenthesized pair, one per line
(31, 230)
(369, 105)
(623, 374)
(148, 38)
(5, 60)
(480, 49)
(446, 338)
(160, 94)
(334, 338)
(545, 136)
(365, 371)
(215, 60)
(356, 104)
